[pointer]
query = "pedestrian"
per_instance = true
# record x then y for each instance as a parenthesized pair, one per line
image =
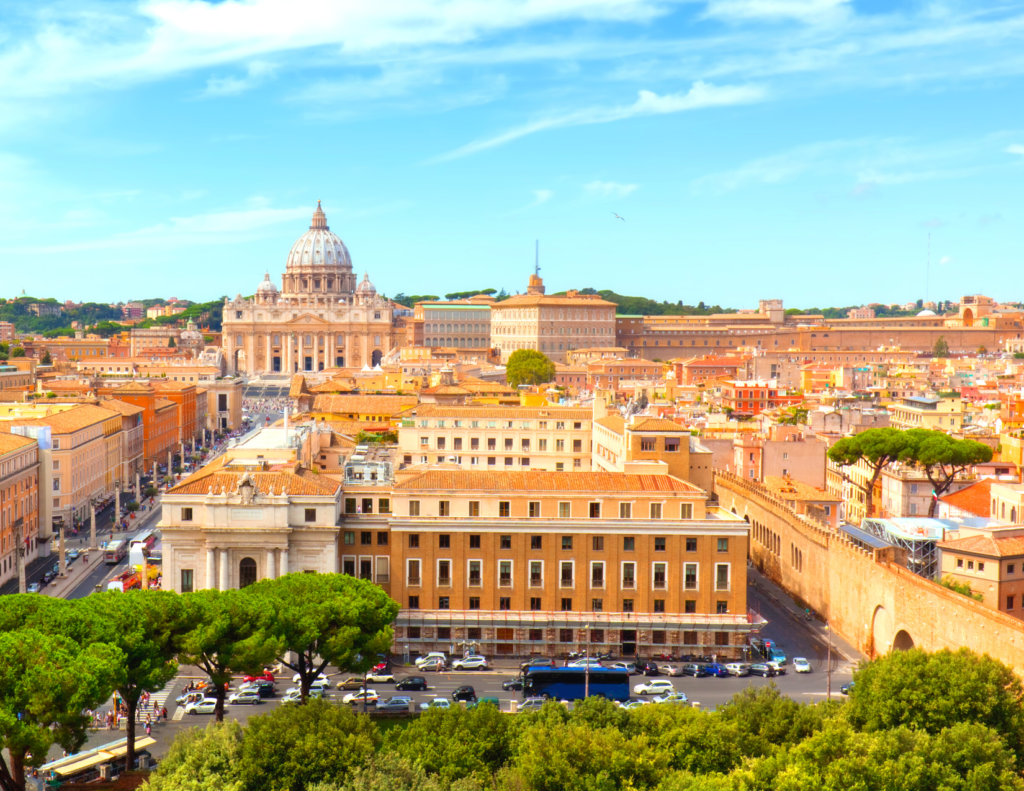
(149, 729)
(163, 711)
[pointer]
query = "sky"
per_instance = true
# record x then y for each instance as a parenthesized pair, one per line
(826, 152)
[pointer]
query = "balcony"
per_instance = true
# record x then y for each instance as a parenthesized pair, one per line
(566, 582)
(536, 582)
(383, 579)
(660, 585)
(691, 585)
(628, 584)
(413, 581)
(444, 582)
(597, 583)
(505, 582)
(474, 582)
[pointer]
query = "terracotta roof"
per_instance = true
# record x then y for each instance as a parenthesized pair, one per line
(583, 301)
(613, 422)
(302, 482)
(134, 387)
(974, 499)
(71, 420)
(445, 390)
(986, 545)
(363, 404)
(170, 384)
(13, 395)
(121, 406)
(474, 411)
(655, 424)
(543, 481)
(298, 387)
(163, 403)
(12, 442)
(789, 489)
(332, 386)
(725, 362)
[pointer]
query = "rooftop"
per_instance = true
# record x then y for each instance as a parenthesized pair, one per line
(986, 545)
(974, 499)
(544, 481)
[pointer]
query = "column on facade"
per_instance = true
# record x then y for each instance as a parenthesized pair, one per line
(223, 569)
(271, 570)
(302, 361)
(284, 561)
(269, 365)
(211, 568)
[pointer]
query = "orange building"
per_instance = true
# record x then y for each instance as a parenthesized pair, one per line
(752, 397)
(701, 369)
(184, 395)
(606, 374)
(19, 499)
(159, 418)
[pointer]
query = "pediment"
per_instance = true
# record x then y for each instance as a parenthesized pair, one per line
(306, 320)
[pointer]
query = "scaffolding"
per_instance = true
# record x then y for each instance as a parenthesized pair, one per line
(918, 537)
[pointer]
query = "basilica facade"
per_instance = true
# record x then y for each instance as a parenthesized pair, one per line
(319, 319)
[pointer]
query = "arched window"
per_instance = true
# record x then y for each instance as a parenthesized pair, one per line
(341, 340)
(246, 572)
(238, 340)
(309, 340)
(277, 340)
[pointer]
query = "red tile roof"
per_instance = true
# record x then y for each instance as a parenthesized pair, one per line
(974, 499)
(986, 545)
(544, 481)
(301, 482)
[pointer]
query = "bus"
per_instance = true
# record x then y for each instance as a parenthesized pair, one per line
(115, 552)
(569, 683)
(140, 547)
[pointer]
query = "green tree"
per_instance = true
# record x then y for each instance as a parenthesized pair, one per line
(47, 681)
(200, 760)
(942, 457)
(878, 448)
(171, 343)
(228, 634)
(530, 367)
(46, 359)
(932, 691)
(144, 626)
(279, 755)
(941, 348)
(390, 773)
(17, 351)
(963, 588)
(324, 619)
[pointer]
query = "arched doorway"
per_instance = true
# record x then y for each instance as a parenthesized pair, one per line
(376, 357)
(968, 317)
(239, 361)
(902, 641)
(246, 572)
(881, 628)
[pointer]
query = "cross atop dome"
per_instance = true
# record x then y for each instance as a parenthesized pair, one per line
(319, 219)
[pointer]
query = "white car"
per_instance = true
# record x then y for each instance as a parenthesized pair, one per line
(314, 691)
(656, 686)
(586, 661)
(470, 663)
(204, 706)
(436, 703)
(422, 660)
(672, 697)
(801, 665)
(250, 696)
(367, 695)
(738, 669)
(671, 670)
(381, 676)
(297, 678)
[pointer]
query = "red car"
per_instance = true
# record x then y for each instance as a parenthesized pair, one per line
(261, 677)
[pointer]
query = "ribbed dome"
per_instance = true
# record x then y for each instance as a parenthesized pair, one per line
(318, 247)
(366, 287)
(267, 286)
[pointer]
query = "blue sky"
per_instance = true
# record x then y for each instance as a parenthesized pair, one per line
(802, 149)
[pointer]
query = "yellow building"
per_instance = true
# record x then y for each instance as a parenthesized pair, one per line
(941, 414)
(383, 409)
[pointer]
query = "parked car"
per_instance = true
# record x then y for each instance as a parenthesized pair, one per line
(315, 691)
(672, 697)
(634, 704)
(648, 668)
(352, 682)
(436, 703)
(538, 661)
(470, 663)
(695, 670)
(483, 702)
(294, 696)
(264, 676)
(47, 578)
(846, 689)
(801, 665)
(33, 587)
(368, 696)
(297, 678)
(72, 555)
(397, 703)
(250, 696)
(530, 705)
(262, 686)
(515, 684)
(658, 686)
(738, 668)
(629, 667)
(431, 656)
(717, 670)
(464, 693)
(759, 669)
(204, 706)
(671, 670)
(412, 684)
(584, 661)
(435, 665)
(381, 677)
(778, 667)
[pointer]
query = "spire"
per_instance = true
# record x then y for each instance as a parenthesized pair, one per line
(319, 219)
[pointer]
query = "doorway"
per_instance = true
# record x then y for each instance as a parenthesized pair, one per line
(628, 642)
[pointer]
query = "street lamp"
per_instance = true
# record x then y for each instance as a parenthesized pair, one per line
(586, 670)
(62, 559)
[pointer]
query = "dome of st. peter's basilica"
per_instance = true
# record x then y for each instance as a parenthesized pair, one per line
(319, 262)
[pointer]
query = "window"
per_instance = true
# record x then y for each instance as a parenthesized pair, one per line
(414, 508)
(474, 602)
(564, 510)
(505, 603)
(350, 505)
(628, 575)
(686, 511)
(474, 508)
(659, 606)
(690, 576)
(596, 605)
(627, 605)
(186, 581)
(981, 566)
(722, 607)
(722, 638)
(567, 607)
(506, 542)
(350, 537)
(534, 509)
(536, 542)
(444, 508)
(598, 543)
(186, 515)
(625, 510)
(691, 545)
(672, 444)
(412, 572)
(660, 574)
(628, 544)
(566, 574)
(722, 576)
(595, 510)
(648, 445)
(442, 604)
(655, 510)
(444, 541)
(382, 538)
(536, 573)
(597, 574)
(414, 604)
(959, 563)
(444, 572)
(384, 505)
(413, 632)
(535, 607)
(970, 565)
(659, 544)
(723, 545)
(504, 508)
(365, 538)
(505, 573)
(690, 606)
(475, 573)
(1009, 602)
(566, 542)
(414, 540)
(1009, 569)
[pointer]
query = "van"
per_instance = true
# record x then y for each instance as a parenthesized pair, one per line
(777, 655)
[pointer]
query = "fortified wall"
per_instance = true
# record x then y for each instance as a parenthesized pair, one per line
(868, 597)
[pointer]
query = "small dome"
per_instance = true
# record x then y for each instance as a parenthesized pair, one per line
(191, 334)
(927, 313)
(366, 287)
(267, 286)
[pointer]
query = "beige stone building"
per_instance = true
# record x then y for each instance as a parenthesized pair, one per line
(319, 319)
(942, 414)
(549, 324)
(497, 438)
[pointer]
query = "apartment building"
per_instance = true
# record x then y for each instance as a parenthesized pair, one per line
(19, 501)
(497, 438)
(747, 398)
(133, 439)
(456, 324)
(992, 563)
(606, 374)
(159, 418)
(945, 413)
(784, 453)
(6, 332)
(523, 562)
(708, 367)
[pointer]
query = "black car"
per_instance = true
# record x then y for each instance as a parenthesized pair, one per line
(647, 668)
(536, 662)
(266, 688)
(411, 683)
(765, 671)
(515, 684)
(697, 671)
(464, 693)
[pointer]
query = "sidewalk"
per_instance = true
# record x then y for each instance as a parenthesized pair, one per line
(781, 599)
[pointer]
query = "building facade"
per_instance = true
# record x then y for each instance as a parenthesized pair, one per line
(319, 319)
(459, 324)
(19, 501)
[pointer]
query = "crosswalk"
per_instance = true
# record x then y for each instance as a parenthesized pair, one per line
(157, 700)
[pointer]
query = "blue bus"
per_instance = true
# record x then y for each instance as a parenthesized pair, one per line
(569, 683)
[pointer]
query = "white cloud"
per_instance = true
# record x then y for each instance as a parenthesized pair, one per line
(1015, 149)
(609, 189)
(808, 11)
(700, 95)
(945, 260)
